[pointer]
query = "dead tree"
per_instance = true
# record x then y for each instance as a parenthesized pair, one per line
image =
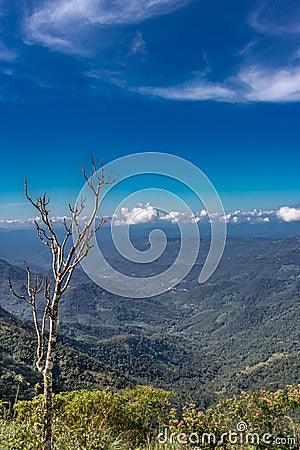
(65, 259)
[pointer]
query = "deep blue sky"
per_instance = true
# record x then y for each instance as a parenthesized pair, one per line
(215, 82)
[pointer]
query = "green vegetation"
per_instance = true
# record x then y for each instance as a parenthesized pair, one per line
(88, 419)
(141, 419)
(73, 369)
(261, 418)
(206, 342)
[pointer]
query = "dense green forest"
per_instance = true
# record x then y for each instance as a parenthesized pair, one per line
(206, 342)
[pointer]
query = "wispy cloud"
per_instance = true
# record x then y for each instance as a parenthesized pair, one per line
(252, 83)
(89, 28)
(138, 45)
(276, 17)
(279, 21)
(192, 91)
(113, 77)
(253, 80)
(267, 85)
(58, 24)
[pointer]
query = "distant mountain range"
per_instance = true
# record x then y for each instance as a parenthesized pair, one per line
(19, 241)
(240, 330)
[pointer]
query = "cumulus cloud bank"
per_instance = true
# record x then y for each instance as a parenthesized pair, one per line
(148, 213)
(138, 215)
(143, 214)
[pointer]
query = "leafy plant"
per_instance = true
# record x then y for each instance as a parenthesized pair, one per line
(250, 417)
(140, 419)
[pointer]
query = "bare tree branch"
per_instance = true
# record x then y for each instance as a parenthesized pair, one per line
(64, 262)
(21, 297)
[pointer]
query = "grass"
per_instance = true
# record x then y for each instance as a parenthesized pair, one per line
(22, 436)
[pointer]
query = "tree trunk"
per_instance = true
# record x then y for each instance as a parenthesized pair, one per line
(48, 375)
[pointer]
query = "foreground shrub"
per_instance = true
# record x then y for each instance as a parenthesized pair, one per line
(106, 420)
(250, 420)
(89, 419)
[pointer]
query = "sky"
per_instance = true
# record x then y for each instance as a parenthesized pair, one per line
(214, 82)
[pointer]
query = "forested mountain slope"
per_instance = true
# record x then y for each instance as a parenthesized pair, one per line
(238, 331)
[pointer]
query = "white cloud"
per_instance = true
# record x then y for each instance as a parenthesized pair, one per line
(252, 84)
(267, 85)
(176, 216)
(192, 91)
(147, 213)
(57, 23)
(227, 217)
(253, 217)
(142, 214)
(288, 214)
(78, 26)
(137, 215)
(274, 82)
